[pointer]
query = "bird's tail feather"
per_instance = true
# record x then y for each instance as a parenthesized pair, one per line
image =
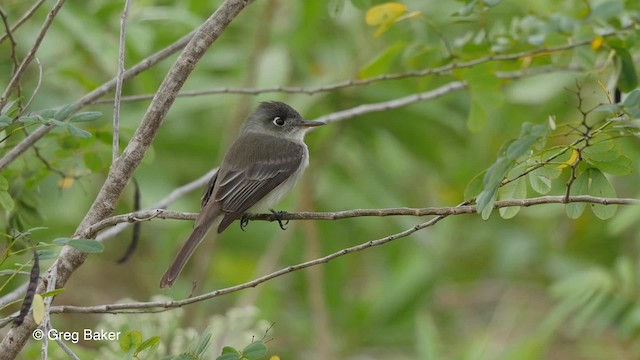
(189, 247)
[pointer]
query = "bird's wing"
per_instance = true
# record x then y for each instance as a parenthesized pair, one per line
(237, 190)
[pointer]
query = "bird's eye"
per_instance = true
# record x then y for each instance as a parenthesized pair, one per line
(278, 121)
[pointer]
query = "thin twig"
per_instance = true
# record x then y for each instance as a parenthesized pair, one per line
(393, 104)
(94, 95)
(441, 70)
(169, 199)
(15, 79)
(24, 18)
(13, 42)
(35, 91)
(119, 78)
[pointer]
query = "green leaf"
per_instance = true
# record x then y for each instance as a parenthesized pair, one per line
(579, 187)
(628, 79)
(130, 340)
(382, 63)
(5, 121)
(516, 189)
(86, 116)
(76, 131)
(10, 107)
(185, 356)
(203, 343)
(53, 292)
(539, 183)
(84, 245)
(632, 99)
(601, 187)
(486, 199)
(28, 120)
(601, 148)
(64, 112)
(474, 187)
(229, 353)
(47, 254)
(6, 201)
(4, 184)
(147, 344)
(491, 181)
(255, 350)
(529, 135)
(620, 166)
(609, 108)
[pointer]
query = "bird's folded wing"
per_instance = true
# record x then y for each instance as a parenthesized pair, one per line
(239, 190)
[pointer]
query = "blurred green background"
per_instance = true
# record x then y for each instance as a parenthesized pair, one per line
(537, 286)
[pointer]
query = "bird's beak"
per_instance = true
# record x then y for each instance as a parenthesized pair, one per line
(304, 123)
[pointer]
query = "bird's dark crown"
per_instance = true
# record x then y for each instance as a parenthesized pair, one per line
(276, 108)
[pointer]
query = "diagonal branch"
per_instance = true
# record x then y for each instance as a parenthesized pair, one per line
(122, 169)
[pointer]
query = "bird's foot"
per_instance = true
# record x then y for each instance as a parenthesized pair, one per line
(244, 221)
(278, 215)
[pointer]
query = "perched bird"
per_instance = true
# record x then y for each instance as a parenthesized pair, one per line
(259, 169)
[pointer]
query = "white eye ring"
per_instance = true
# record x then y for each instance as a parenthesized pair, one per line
(278, 121)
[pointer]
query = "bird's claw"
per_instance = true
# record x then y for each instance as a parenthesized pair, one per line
(244, 221)
(278, 215)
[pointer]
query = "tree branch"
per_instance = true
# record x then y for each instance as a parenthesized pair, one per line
(15, 79)
(122, 169)
(24, 18)
(93, 96)
(441, 70)
(441, 213)
(146, 215)
(119, 76)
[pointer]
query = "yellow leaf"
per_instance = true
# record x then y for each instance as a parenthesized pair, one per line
(38, 308)
(597, 42)
(274, 357)
(385, 13)
(66, 182)
(572, 160)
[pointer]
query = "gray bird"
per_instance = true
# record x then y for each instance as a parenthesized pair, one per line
(259, 169)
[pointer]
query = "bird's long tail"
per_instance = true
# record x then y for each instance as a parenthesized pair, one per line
(199, 232)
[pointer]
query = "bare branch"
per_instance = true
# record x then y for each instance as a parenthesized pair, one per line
(119, 77)
(9, 34)
(158, 306)
(173, 196)
(144, 307)
(392, 104)
(441, 70)
(24, 18)
(146, 215)
(122, 169)
(91, 97)
(15, 79)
